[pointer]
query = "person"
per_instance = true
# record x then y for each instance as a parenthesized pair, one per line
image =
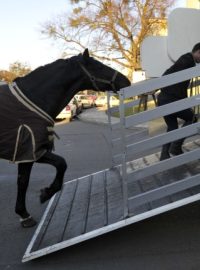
(174, 93)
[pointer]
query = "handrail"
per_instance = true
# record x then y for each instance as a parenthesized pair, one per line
(164, 165)
(161, 111)
(140, 147)
(164, 191)
(161, 139)
(143, 117)
(126, 105)
(157, 83)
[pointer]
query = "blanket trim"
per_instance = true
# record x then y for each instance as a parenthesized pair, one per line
(17, 141)
(28, 103)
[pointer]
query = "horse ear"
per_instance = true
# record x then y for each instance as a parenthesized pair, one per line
(86, 53)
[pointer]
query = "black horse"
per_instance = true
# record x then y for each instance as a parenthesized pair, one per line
(38, 98)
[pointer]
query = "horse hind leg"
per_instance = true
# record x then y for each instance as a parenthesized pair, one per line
(60, 164)
(24, 170)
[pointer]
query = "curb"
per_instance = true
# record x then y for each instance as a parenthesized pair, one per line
(100, 117)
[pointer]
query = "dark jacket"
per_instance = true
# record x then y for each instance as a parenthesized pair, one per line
(177, 91)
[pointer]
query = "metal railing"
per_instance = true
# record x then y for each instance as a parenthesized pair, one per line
(140, 147)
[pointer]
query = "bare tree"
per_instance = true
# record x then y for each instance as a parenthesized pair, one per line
(112, 29)
(16, 69)
(19, 69)
(7, 76)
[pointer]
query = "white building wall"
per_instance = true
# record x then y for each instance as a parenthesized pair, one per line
(193, 4)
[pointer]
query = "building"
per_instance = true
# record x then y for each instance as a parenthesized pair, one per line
(193, 4)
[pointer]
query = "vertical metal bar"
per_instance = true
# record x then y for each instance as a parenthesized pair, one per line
(105, 199)
(123, 143)
(197, 93)
(110, 127)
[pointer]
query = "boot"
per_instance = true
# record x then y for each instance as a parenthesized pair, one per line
(165, 152)
(176, 147)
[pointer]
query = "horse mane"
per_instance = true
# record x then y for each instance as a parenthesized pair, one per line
(47, 69)
(51, 84)
(56, 72)
(40, 74)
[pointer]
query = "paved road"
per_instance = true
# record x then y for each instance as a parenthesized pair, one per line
(85, 147)
(166, 242)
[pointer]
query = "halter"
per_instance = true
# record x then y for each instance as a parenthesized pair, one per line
(94, 80)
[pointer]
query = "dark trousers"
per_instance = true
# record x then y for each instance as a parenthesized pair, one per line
(171, 121)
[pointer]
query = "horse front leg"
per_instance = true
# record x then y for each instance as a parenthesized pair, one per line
(24, 170)
(60, 164)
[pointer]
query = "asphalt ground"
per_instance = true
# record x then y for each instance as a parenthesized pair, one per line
(166, 242)
(85, 146)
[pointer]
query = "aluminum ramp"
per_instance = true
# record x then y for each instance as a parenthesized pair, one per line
(132, 191)
(93, 205)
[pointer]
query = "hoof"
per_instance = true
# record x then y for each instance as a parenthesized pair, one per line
(176, 152)
(43, 195)
(28, 222)
(165, 156)
(46, 194)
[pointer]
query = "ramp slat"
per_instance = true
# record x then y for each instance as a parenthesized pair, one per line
(78, 214)
(97, 213)
(56, 227)
(114, 196)
(133, 190)
(48, 218)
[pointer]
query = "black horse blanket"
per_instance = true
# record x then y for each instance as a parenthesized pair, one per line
(26, 132)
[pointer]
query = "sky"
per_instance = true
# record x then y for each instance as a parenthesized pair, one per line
(20, 26)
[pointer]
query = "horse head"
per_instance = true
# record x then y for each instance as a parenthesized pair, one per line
(52, 86)
(99, 76)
